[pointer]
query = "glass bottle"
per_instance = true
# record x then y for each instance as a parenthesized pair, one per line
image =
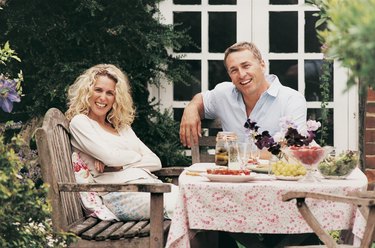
(233, 159)
(224, 144)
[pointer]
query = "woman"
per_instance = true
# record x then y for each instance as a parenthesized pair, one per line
(101, 112)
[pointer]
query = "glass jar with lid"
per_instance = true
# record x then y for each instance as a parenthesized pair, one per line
(226, 145)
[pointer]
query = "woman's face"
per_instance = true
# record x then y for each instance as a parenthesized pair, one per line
(102, 99)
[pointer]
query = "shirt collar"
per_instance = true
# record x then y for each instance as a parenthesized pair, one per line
(275, 85)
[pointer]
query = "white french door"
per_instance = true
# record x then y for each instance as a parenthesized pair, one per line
(285, 33)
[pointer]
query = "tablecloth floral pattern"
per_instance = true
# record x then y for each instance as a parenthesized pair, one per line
(256, 207)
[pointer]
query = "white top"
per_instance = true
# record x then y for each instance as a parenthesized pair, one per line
(226, 103)
(125, 149)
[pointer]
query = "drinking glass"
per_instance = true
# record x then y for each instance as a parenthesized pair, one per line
(255, 154)
(244, 153)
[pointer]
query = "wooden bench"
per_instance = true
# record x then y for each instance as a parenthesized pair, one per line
(54, 151)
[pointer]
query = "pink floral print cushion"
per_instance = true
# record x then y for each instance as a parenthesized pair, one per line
(91, 201)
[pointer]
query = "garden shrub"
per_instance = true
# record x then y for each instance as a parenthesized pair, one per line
(24, 211)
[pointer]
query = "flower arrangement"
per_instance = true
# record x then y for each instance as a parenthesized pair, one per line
(289, 135)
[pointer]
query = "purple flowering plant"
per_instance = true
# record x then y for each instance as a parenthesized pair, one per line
(10, 89)
(289, 135)
(8, 93)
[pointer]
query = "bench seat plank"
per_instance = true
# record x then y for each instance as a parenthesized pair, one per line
(93, 231)
(79, 228)
(134, 230)
(146, 230)
(119, 233)
(108, 231)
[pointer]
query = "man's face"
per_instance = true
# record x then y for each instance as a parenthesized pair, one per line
(246, 72)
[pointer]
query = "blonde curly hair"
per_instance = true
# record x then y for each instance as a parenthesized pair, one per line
(79, 93)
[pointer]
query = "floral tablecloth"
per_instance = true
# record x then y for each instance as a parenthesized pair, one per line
(256, 207)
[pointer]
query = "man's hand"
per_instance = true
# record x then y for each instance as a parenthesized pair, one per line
(190, 126)
(191, 121)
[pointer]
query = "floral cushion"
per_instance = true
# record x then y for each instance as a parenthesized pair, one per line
(91, 201)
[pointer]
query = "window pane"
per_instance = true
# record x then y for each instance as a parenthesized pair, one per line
(312, 43)
(177, 114)
(187, 1)
(287, 71)
(190, 21)
(316, 114)
(283, 32)
(186, 89)
(313, 71)
(277, 2)
(216, 73)
(214, 2)
(222, 31)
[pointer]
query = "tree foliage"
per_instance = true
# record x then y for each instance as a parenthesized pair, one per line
(349, 36)
(57, 40)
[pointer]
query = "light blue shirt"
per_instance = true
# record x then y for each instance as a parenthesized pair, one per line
(226, 103)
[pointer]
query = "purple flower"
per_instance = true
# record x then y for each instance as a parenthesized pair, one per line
(312, 125)
(8, 93)
(251, 125)
(289, 135)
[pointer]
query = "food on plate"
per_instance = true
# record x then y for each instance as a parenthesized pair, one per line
(283, 168)
(190, 173)
(308, 155)
(228, 172)
(339, 166)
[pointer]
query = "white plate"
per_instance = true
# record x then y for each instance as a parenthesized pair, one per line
(255, 168)
(229, 178)
(289, 178)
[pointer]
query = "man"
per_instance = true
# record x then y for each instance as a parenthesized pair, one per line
(251, 94)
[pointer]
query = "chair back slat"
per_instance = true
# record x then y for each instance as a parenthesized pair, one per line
(54, 152)
(200, 152)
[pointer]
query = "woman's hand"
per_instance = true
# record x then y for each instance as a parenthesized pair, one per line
(99, 166)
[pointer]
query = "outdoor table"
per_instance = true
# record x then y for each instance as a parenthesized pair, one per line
(256, 207)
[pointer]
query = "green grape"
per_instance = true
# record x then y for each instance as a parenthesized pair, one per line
(283, 168)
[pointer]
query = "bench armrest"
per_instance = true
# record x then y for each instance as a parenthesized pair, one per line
(101, 187)
(169, 171)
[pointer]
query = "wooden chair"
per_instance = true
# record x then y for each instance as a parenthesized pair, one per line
(54, 149)
(365, 201)
(199, 152)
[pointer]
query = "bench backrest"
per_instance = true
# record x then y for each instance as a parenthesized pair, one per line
(199, 152)
(54, 152)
